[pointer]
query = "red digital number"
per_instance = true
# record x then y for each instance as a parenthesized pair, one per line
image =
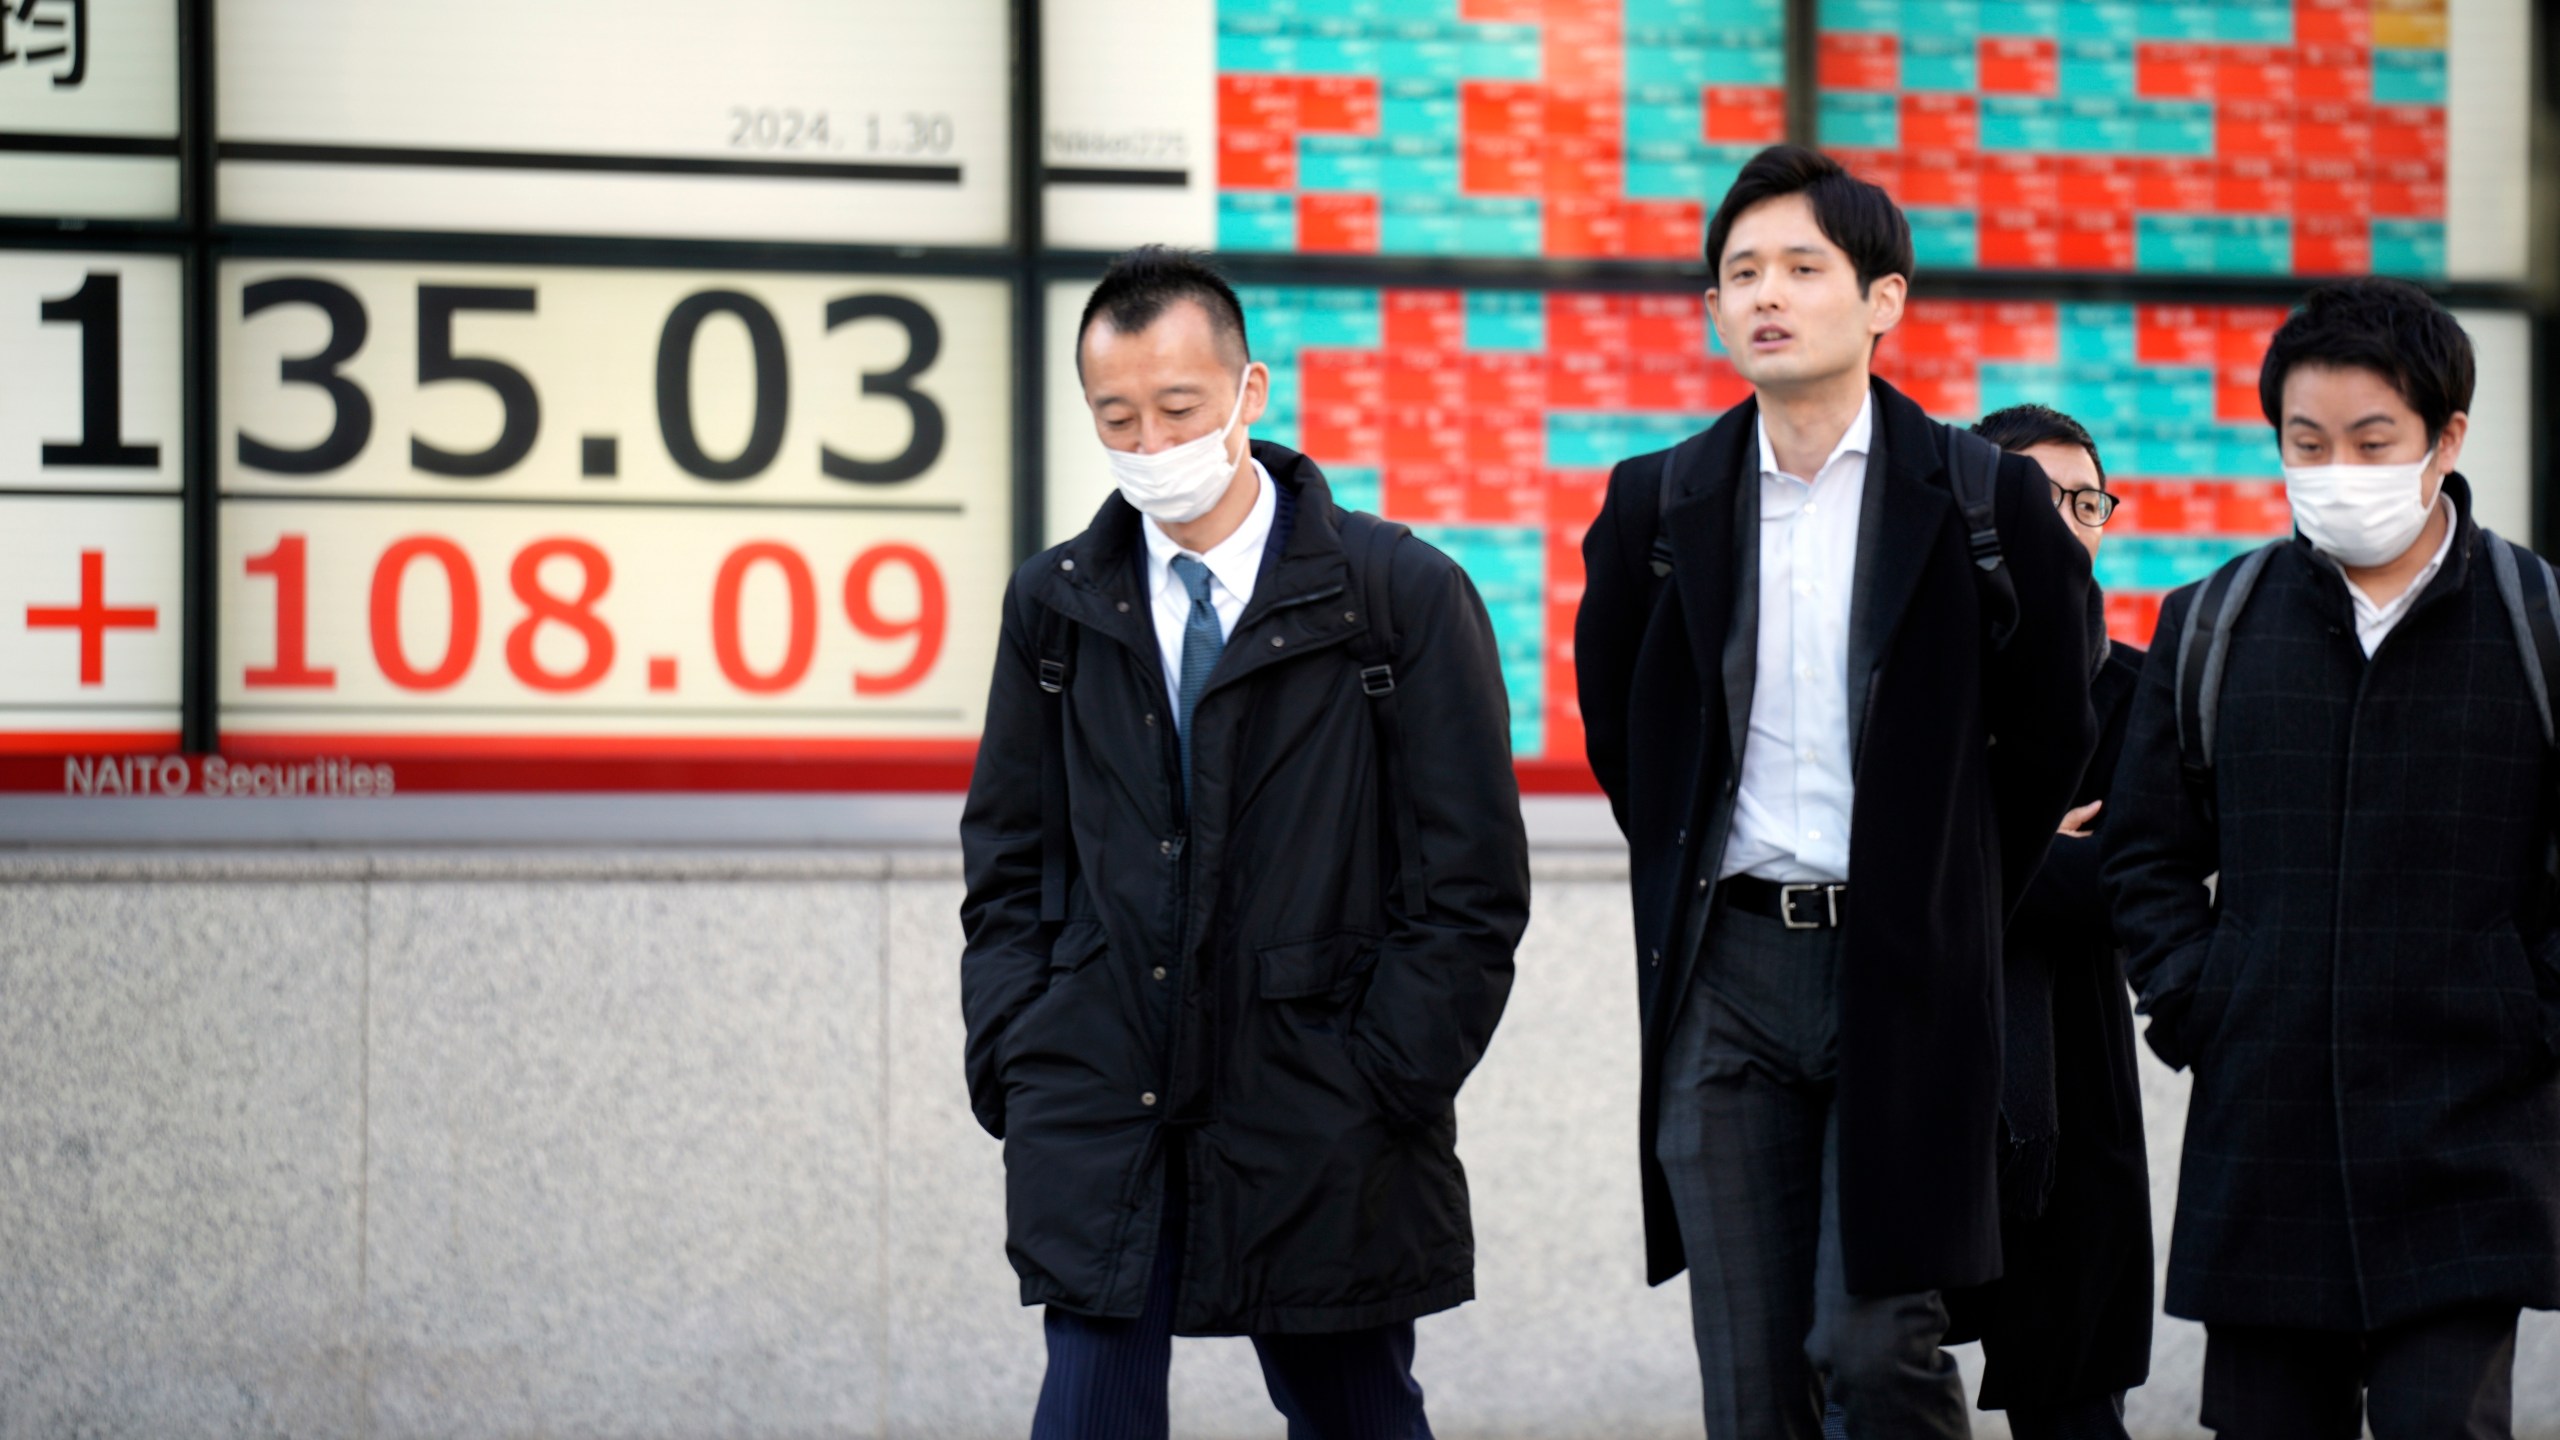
(928, 625)
(542, 607)
(289, 566)
(802, 645)
(462, 639)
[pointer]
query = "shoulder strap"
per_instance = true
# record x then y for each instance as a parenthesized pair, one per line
(1369, 543)
(1662, 507)
(2204, 648)
(2526, 587)
(1056, 640)
(1973, 468)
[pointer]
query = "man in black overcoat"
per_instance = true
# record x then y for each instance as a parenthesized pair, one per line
(2066, 1330)
(2369, 992)
(1833, 786)
(1245, 874)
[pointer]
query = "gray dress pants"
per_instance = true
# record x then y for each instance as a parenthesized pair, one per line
(1750, 1144)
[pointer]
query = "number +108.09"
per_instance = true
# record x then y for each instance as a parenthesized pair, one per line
(287, 564)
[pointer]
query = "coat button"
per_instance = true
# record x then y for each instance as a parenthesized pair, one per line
(1148, 1099)
(1159, 972)
(1066, 565)
(1124, 607)
(1682, 838)
(1151, 717)
(1277, 642)
(1703, 882)
(1164, 847)
(1350, 615)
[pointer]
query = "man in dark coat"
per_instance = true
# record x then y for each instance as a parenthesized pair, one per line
(1245, 874)
(1833, 786)
(2066, 1330)
(2368, 994)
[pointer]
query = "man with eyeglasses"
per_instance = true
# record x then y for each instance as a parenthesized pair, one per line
(2067, 1329)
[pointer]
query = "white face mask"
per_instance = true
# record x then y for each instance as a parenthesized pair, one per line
(1183, 483)
(2359, 515)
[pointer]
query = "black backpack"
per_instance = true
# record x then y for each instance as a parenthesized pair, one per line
(1973, 464)
(1368, 544)
(2525, 586)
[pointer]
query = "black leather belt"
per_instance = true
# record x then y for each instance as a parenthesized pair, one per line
(1814, 905)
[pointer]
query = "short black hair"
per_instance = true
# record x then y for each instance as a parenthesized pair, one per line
(1144, 283)
(2389, 327)
(2022, 426)
(1855, 215)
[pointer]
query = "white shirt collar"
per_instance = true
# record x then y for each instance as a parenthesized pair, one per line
(1235, 561)
(2375, 621)
(1853, 441)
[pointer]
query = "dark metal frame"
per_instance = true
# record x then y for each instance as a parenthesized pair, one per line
(202, 243)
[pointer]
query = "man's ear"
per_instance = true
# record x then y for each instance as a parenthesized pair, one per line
(2449, 442)
(1889, 293)
(1257, 393)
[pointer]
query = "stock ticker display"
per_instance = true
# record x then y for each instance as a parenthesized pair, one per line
(2239, 137)
(483, 502)
(1567, 129)
(1489, 420)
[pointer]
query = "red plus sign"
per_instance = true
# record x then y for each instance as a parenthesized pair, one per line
(93, 617)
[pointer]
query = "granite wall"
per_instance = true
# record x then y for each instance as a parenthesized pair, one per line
(632, 1143)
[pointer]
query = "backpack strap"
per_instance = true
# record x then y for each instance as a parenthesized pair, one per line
(2526, 587)
(1056, 639)
(2204, 648)
(1369, 543)
(1973, 468)
(1661, 507)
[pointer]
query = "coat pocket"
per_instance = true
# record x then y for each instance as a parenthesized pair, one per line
(1312, 991)
(2511, 984)
(2209, 1003)
(1077, 946)
(1328, 967)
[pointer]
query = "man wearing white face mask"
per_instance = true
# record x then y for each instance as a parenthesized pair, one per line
(1245, 872)
(2345, 727)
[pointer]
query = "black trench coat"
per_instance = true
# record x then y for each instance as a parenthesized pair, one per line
(2070, 1317)
(1310, 1034)
(1945, 829)
(2370, 1012)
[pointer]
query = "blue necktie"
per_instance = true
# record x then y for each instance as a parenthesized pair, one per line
(1201, 642)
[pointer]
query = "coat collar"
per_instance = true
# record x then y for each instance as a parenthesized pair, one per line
(2331, 581)
(1906, 503)
(1713, 521)
(1098, 578)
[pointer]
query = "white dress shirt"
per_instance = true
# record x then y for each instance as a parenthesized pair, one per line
(1233, 563)
(2375, 621)
(1791, 817)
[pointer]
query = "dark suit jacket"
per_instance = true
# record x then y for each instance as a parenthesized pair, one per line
(1964, 762)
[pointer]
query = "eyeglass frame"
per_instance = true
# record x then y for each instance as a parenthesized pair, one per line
(2073, 495)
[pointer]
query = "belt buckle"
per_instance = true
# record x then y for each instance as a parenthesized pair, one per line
(1787, 906)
